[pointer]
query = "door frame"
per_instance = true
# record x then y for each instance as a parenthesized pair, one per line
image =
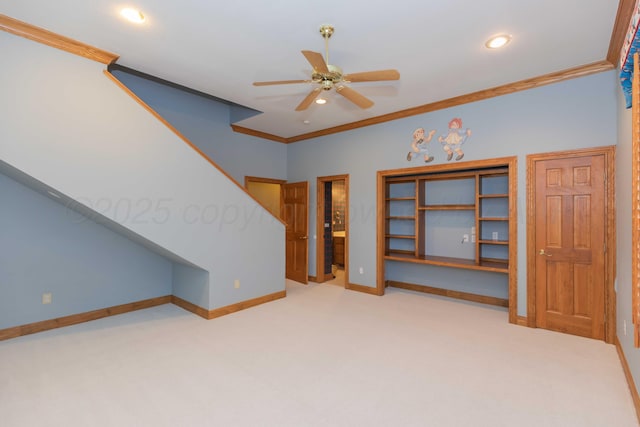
(610, 233)
(320, 183)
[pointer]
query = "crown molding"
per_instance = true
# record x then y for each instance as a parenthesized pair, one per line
(623, 17)
(556, 77)
(49, 38)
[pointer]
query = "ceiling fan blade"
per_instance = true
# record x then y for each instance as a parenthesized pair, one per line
(316, 60)
(309, 99)
(373, 76)
(354, 96)
(280, 82)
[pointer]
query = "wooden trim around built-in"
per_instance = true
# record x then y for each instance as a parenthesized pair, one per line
(233, 308)
(623, 17)
(629, 377)
(532, 83)
(522, 321)
(510, 162)
(364, 289)
(483, 299)
(312, 279)
(182, 137)
(49, 38)
(74, 319)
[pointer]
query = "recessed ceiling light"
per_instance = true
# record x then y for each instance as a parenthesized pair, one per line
(132, 15)
(306, 122)
(498, 41)
(321, 101)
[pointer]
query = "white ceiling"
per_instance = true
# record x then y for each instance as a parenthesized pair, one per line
(221, 47)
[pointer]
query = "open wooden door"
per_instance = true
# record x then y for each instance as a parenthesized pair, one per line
(295, 198)
(570, 253)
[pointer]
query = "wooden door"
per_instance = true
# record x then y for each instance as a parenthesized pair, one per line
(296, 207)
(570, 224)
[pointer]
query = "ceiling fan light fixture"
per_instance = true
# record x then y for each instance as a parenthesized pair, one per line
(132, 15)
(328, 77)
(498, 41)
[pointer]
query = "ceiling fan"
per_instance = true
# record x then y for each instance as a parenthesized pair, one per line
(328, 77)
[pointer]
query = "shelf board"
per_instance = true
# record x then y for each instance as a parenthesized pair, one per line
(399, 199)
(400, 252)
(470, 264)
(497, 261)
(496, 218)
(493, 196)
(448, 208)
(407, 218)
(400, 236)
(493, 242)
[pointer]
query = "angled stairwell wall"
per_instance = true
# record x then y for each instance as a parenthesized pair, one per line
(67, 125)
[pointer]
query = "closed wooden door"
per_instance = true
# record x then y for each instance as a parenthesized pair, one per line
(296, 207)
(570, 223)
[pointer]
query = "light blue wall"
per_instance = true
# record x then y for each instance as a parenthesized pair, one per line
(191, 284)
(574, 114)
(70, 127)
(45, 247)
(624, 241)
(205, 122)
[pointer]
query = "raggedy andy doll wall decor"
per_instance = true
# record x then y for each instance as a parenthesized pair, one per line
(420, 145)
(453, 140)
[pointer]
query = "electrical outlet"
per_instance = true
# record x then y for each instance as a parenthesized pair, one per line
(465, 238)
(46, 298)
(473, 238)
(361, 270)
(236, 283)
(494, 235)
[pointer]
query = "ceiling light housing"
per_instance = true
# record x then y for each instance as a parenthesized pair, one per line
(498, 41)
(321, 101)
(132, 15)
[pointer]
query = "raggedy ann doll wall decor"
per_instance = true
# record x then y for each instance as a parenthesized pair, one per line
(420, 145)
(454, 139)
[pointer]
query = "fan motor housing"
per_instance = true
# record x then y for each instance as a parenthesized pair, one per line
(328, 79)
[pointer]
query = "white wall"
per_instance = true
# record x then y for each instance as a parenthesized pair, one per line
(99, 269)
(69, 126)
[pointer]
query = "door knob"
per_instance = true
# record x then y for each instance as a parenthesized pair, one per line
(302, 237)
(542, 252)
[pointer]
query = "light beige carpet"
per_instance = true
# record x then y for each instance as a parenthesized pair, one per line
(323, 356)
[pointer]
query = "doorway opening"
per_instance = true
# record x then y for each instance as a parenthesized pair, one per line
(332, 230)
(267, 191)
(290, 203)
